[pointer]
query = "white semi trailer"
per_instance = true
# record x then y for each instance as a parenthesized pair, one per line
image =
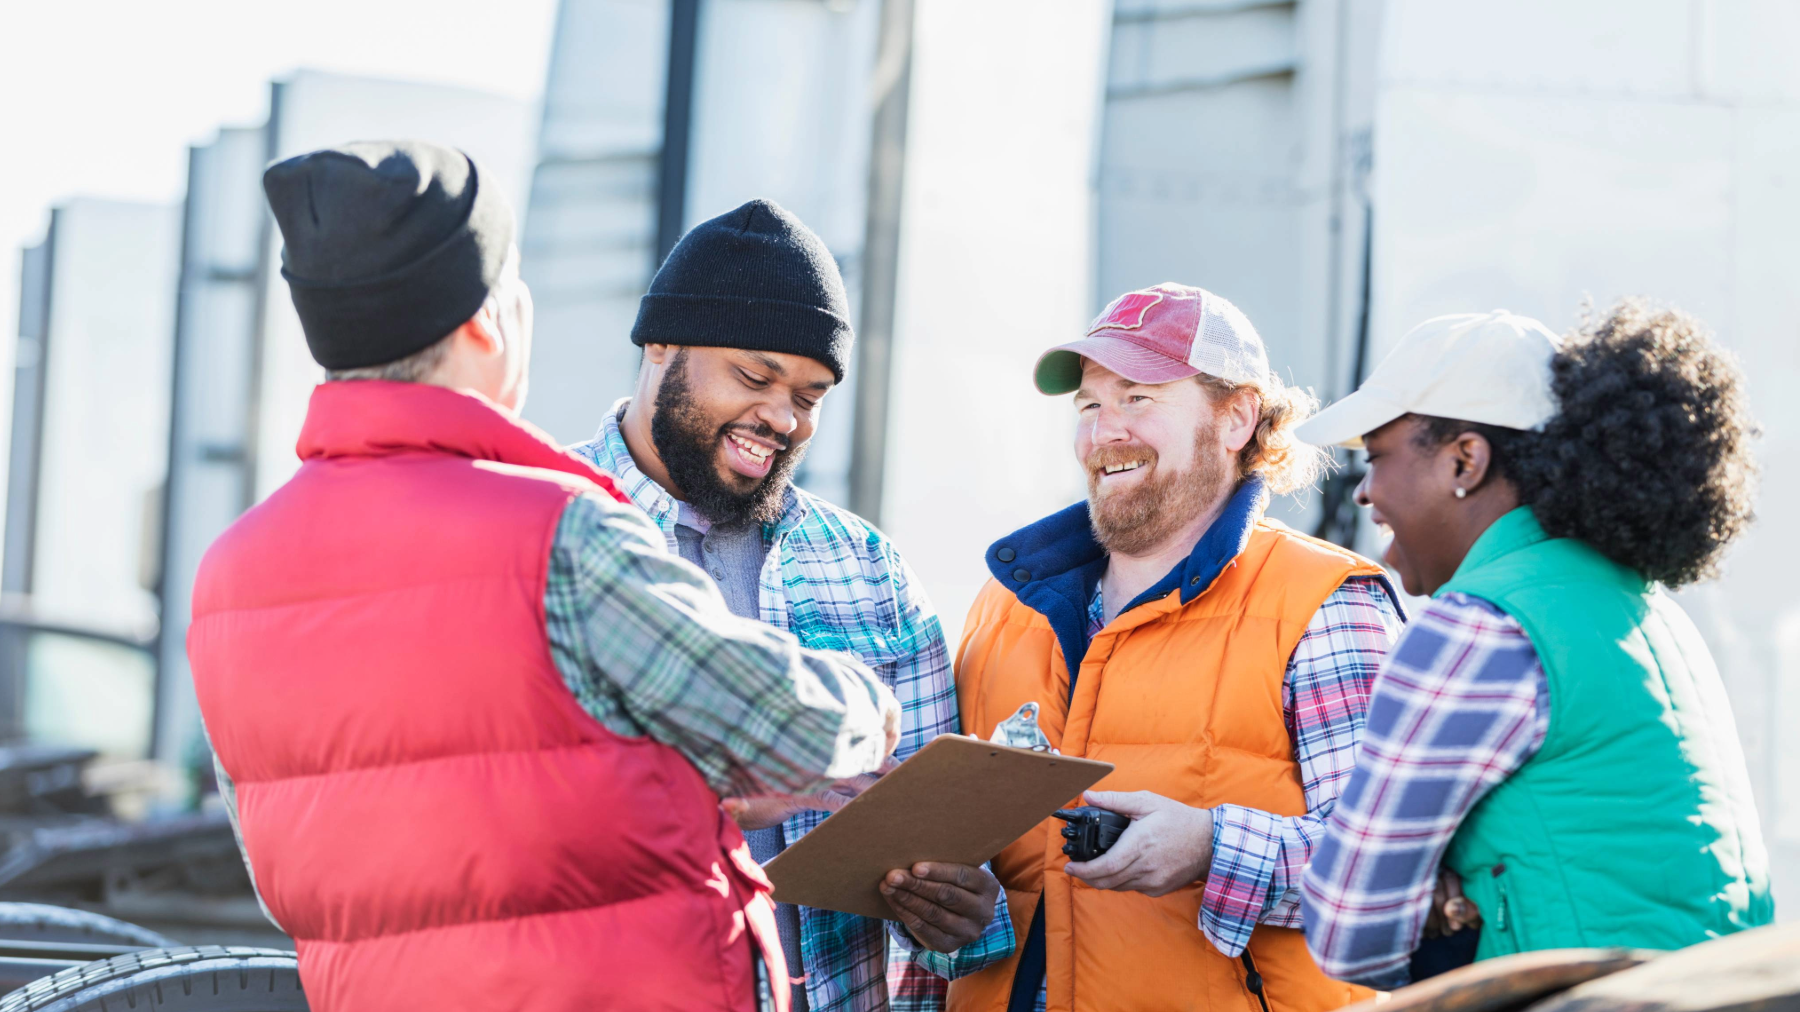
(1340, 168)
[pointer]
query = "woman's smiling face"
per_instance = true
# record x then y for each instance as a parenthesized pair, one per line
(1410, 489)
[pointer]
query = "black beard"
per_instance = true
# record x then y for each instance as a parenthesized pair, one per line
(689, 445)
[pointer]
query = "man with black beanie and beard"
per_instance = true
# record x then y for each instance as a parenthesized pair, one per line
(745, 330)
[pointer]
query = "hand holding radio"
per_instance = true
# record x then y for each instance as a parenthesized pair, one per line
(1167, 845)
(1090, 831)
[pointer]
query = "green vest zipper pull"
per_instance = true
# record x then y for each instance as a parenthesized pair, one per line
(1500, 884)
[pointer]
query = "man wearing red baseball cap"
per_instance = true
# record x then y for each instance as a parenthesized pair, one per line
(1218, 659)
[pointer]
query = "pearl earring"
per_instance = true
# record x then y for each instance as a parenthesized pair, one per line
(1462, 493)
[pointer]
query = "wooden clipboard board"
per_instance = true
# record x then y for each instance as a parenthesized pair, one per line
(958, 800)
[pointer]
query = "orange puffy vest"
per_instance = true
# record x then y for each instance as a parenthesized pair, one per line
(1186, 701)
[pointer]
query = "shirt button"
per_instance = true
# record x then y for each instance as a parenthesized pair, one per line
(1005, 555)
(1021, 575)
(1195, 582)
(717, 575)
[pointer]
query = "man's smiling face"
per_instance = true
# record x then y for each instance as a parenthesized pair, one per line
(1154, 456)
(731, 425)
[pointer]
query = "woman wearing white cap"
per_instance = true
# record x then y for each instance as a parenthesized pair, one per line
(1550, 733)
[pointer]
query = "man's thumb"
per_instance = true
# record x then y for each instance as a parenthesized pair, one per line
(1135, 804)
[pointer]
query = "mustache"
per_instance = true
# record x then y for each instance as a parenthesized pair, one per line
(761, 431)
(1102, 457)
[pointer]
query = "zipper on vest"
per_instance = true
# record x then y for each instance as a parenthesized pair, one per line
(1253, 980)
(1500, 888)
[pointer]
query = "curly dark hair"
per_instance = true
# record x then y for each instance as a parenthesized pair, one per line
(1648, 458)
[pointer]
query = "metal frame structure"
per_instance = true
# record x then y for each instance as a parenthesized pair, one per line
(881, 258)
(212, 446)
(678, 113)
(22, 476)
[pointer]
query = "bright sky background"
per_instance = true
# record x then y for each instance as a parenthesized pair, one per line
(102, 97)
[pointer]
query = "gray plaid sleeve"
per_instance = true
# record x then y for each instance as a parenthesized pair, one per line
(228, 794)
(648, 647)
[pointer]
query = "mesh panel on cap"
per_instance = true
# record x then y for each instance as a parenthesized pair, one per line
(1226, 345)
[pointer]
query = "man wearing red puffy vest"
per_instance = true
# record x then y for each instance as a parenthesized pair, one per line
(472, 717)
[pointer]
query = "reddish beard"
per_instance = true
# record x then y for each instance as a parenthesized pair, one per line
(1138, 519)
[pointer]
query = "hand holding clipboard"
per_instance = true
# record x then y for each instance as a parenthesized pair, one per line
(958, 800)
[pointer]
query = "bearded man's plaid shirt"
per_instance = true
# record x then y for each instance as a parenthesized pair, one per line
(836, 583)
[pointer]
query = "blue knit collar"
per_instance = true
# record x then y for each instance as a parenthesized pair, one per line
(1054, 564)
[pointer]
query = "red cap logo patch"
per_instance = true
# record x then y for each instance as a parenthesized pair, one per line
(1126, 312)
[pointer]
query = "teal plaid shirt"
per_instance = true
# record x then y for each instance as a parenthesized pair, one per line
(835, 583)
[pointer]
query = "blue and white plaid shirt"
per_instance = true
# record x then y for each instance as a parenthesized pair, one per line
(836, 583)
(1461, 704)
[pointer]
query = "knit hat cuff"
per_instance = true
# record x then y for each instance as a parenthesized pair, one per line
(791, 328)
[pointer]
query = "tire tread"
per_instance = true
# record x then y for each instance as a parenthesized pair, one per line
(44, 922)
(216, 965)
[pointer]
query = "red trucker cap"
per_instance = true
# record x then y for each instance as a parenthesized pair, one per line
(1158, 335)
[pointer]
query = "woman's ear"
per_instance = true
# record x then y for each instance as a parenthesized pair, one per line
(1474, 455)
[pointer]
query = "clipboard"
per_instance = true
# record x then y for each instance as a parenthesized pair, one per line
(959, 800)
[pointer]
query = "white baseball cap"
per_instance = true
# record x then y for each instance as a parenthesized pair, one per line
(1492, 368)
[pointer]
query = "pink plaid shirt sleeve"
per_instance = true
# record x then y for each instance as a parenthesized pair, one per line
(1258, 857)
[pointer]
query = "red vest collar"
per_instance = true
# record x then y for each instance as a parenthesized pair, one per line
(376, 418)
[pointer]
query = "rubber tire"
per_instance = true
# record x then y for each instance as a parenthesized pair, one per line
(41, 922)
(203, 978)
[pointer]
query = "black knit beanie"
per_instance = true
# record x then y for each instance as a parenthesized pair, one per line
(387, 246)
(753, 278)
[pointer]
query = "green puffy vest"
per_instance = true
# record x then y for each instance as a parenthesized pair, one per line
(1633, 825)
